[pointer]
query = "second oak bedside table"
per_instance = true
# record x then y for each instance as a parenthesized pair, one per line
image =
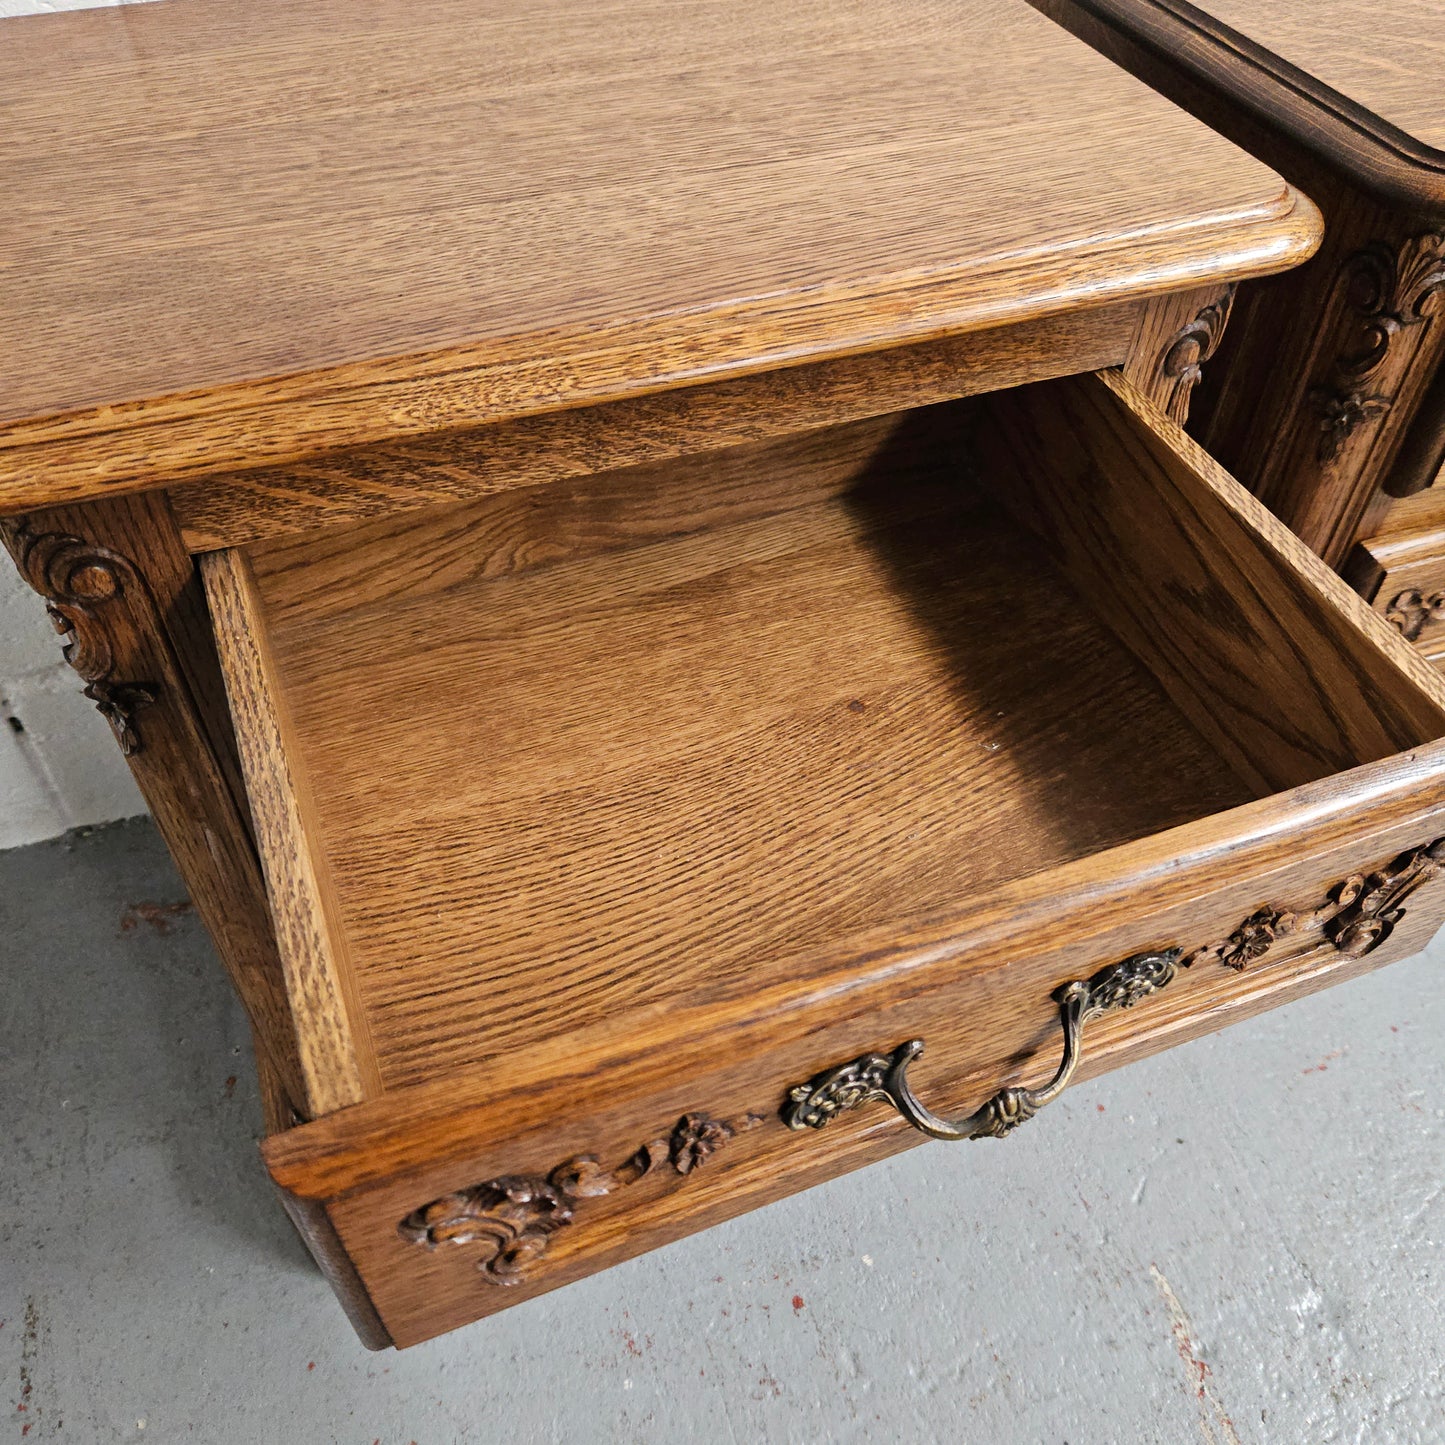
(1328, 397)
(642, 562)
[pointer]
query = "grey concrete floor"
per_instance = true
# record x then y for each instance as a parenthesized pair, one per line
(1237, 1242)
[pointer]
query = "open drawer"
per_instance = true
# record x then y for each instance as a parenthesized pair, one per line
(620, 835)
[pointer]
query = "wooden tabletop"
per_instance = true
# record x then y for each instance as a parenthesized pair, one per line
(1361, 82)
(1387, 56)
(237, 234)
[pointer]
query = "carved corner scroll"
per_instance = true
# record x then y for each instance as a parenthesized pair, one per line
(1357, 915)
(1387, 290)
(1184, 355)
(1412, 609)
(98, 600)
(515, 1216)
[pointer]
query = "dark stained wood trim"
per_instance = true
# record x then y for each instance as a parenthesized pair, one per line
(1377, 156)
(1422, 457)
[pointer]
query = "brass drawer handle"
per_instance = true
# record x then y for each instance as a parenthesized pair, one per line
(885, 1076)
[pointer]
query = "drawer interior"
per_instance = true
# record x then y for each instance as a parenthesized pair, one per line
(570, 752)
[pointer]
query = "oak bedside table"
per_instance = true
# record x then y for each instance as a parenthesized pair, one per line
(1328, 397)
(647, 568)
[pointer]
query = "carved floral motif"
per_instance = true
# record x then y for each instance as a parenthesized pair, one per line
(695, 1139)
(1412, 609)
(1387, 291)
(1370, 907)
(1251, 940)
(1341, 413)
(1188, 349)
(1359, 913)
(88, 589)
(515, 1216)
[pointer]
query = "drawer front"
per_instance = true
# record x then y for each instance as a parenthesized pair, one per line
(574, 1173)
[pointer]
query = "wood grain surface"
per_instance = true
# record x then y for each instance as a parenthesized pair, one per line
(1387, 56)
(390, 478)
(1359, 85)
(550, 793)
(1400, 571)
(681, 724)
(1183, 887)
(975, 987)
(1325, 395)
(243, 237)
(320, 980)
(1270, 654)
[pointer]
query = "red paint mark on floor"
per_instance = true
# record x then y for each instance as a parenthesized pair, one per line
(230, 1085)
(797, 1303)
(311, 1365)
(1099, 1107)
(29, 1349)
(633, 1348)
(1324, 1064)
(1214, 1424)
(161, 917)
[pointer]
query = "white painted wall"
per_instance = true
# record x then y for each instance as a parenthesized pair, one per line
(10, 8)
(59, 765)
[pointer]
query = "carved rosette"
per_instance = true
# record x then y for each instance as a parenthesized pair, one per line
(1387, 291)
(1358, 914)
(1412, 609)
(89, 591)
(1250, 941)
(1188, 349)
(513, 1218)
(1341, 414)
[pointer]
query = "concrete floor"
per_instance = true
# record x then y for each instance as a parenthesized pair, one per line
(1237, 1242)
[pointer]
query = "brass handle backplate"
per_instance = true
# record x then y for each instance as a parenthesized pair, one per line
(884, 1077)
